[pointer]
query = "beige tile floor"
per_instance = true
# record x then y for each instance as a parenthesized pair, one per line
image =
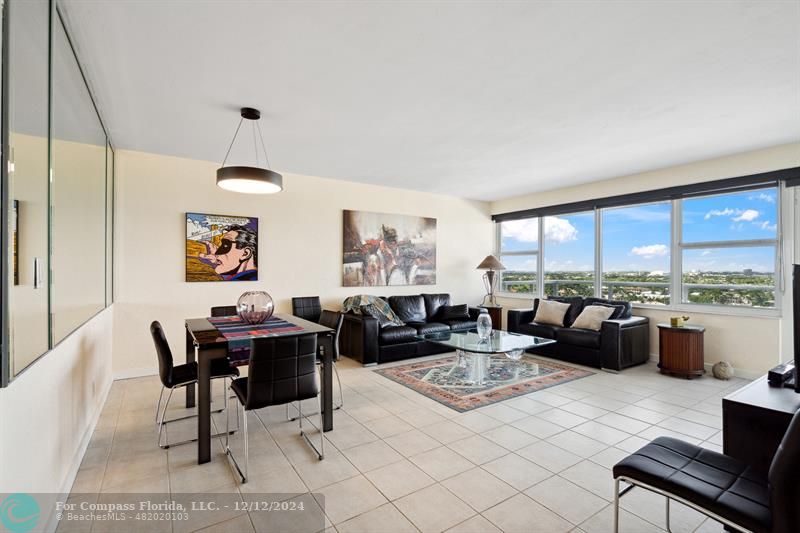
(398, 461)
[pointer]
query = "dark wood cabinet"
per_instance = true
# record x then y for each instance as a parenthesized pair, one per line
(754, 419)
(680, 350)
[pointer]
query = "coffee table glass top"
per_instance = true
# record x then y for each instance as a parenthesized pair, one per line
(499, 342)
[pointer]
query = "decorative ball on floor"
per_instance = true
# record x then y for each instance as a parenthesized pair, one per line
(722, 370)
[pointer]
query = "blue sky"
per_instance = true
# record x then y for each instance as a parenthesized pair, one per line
(638, 237)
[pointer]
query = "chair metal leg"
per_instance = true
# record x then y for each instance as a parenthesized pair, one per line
(668, 528)
(321, 451)
(616, 506)
(161, 423)
(158, 406)
(229, 453)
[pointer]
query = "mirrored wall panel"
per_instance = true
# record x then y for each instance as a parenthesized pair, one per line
(27, 237)
(78, 196)
(59, 189)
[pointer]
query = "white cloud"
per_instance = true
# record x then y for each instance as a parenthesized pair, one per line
(706, 252)
(525, 230)
(719, 213)
(559, 230)
(764, 197)
(748, 215)
(765, 225)
(650, 251)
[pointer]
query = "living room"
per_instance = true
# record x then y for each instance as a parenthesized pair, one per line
(529, 224)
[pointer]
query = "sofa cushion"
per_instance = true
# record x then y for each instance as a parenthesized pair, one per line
(397, 334)
(626, 313)
(551, 312)
(434, 303)
(461, 325)
(453, 312)
(539, 330)
(432, 327)
(575, 306)
(592, 317)
(579, 337)
(408, 308)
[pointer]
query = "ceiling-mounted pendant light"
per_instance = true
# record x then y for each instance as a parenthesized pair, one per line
(250, 180)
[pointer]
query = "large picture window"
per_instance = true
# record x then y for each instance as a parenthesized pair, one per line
(636, 244)
(729, 249)
(569, 255)
(519, 251)
(715, 249)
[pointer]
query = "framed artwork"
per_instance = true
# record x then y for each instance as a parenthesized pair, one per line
(221, 248)
(383, 249)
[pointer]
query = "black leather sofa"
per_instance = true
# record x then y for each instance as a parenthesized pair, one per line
(364, 340)
(620, 343)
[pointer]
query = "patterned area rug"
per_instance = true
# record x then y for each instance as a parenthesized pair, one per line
(465, 383)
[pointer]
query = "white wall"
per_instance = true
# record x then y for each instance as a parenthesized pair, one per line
(300, 245)
(752, 344)
(48, 412)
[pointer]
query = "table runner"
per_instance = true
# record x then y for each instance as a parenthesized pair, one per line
(238, 333)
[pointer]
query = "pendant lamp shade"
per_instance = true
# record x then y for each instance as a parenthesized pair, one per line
(247, 179)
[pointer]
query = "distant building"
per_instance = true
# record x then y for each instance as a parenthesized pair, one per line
(748, 271)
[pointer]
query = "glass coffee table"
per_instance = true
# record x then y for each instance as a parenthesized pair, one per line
(476, 353)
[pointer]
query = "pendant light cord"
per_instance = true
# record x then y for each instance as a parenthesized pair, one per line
(261, 136)
(234, 140)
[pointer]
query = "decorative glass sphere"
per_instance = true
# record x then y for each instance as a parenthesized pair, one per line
(484, 326)
(255, 307)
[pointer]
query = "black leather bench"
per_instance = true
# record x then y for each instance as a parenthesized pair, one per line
(719, 486)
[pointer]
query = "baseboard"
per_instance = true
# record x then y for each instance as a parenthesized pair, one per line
(737, 372)
(51, 525)
(135, 373)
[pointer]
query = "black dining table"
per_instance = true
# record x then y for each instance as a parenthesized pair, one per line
(204, 342)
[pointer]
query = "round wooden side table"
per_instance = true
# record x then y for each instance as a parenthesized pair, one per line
(680, 350)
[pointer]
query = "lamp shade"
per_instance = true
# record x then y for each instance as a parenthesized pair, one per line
(252, 180)
(490, 263)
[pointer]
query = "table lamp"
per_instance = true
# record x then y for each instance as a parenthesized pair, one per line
(490, 265)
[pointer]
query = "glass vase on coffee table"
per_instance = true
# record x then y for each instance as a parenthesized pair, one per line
(477, 352)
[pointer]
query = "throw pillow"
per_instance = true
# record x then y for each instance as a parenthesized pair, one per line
(592, 317)
(453, 312)
(551, 312)
(619, 310)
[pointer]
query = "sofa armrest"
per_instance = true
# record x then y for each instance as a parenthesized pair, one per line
(359, 338)
(516, 317)
(625, 342)
(474, 312)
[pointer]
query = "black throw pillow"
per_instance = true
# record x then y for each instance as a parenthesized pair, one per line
(619, 310)
(453, 312)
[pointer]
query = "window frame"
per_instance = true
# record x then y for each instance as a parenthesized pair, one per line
(499, 253)
(677, 247)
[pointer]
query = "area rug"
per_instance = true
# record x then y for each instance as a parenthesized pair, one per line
(451, 380)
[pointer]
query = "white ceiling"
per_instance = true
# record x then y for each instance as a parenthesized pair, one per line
(479, 99)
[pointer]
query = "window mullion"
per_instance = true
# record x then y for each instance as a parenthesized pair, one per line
(598, 256)
(540, 261)
(676, 276)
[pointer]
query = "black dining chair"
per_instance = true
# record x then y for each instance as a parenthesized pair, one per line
(282, 370)
(719, 486)
(224, 310)
(307, 307)
(177, 376)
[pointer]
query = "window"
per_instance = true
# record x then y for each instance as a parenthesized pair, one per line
(636, 244)
(569, 255)
(519, 251)
(729, 248)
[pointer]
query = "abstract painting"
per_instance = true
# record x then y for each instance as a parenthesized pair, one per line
(383, 249)
(221, 248)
